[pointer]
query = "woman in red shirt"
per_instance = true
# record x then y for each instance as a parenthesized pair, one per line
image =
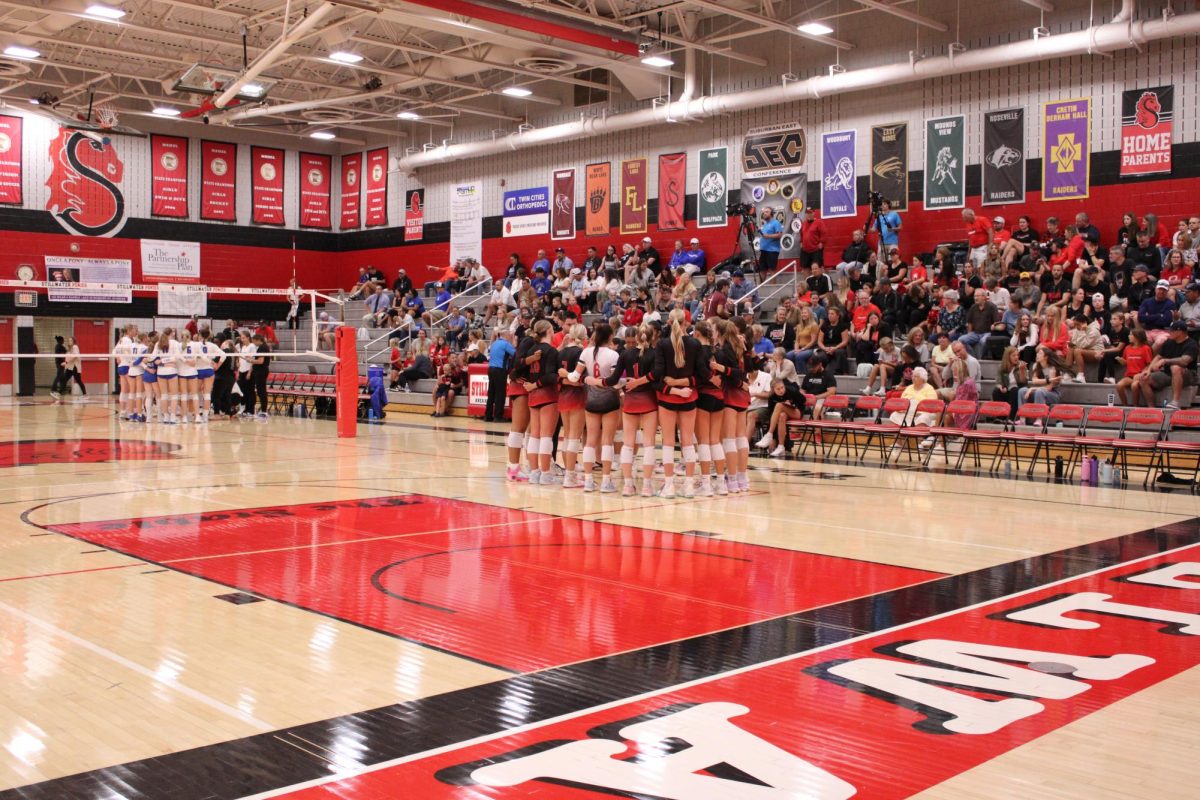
(633, 316)
(439, 352)
(1176, 272)
(1055, 338)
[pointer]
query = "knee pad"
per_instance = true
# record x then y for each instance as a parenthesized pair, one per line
(547, 445)
(705, 453)
(668, 454)
(647, 457)
(516, 440)
(718, 452)
(589, 455)
(124, 397)
(743, 443)
(730, 446)
(572, 446)
(626, 454)
(689, 454)
(607, 452)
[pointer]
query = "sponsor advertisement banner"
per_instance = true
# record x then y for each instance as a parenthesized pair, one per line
(66, 270)
(527, 212)
(466, 221)
(175, 260)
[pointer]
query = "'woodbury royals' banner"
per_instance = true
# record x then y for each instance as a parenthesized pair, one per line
(837, 174)
(1147, 118)
(944, 167)
(1066, 128)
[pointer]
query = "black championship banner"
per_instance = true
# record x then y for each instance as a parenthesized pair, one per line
(889, 163)
(1004, 156)
(1147, 122)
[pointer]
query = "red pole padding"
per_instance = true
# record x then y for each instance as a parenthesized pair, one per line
(346, 379)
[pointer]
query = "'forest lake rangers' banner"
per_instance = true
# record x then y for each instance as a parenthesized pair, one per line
(351, 183)
(1066, 129)
(838, 154)
(1147, 118)
(315, 172)
(90, 270)
(944, 168)
(527, 212)
(634, 197)
(10, 159)
(266, 183)
(218, 181)
(414, 215)
(713, 194)
(1004, 156)
(169, 176)
(889, 163)
(562, 214)
(377, 187)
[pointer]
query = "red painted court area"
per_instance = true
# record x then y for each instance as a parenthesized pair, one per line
(514, 589)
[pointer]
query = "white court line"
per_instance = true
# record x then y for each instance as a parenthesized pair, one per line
(363, 770)
(170, 683)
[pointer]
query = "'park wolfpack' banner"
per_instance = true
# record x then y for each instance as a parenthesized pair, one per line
(889, 163)
(377, 188)
(1147, 119)
(562, 205)
(1004, 156)
(414, 215)
(597, 217)
(169, 176)
(10, 159)
(838, 154)
(672, 184)
(218, 181)
(1066, 150)
(266, 185)
(315, 179)
(633, 196)
(713, 194)
(351, 183)
(945, 168)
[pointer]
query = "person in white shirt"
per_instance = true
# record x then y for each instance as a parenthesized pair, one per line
(208, 358)
(124, 353)
(136, 370)
(480, 274)
(168, 353)
(602, 408)
(760, 392)
(501, 299)
(246, 351)
(188, 398)
(72, 366)
(293, 298)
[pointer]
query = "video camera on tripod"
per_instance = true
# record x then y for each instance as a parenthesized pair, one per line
(740, 210)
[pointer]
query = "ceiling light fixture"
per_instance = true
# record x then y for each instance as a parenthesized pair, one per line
(344, 57)
(815, 29)
(516, 91)
(106, 13)
(408, 115)
(166, 111)
(325, 135)
(252, 89)
(657, 57)
(17, 51)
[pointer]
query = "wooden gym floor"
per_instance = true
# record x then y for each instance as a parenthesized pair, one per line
(260, 610)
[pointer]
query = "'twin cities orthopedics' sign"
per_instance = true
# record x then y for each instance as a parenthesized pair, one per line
(527, 212)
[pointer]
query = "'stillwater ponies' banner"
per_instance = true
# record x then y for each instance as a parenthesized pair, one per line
(179, 261)
(713, 193)
(945, 170)
(1147, 122)
(889, 163)
(377, 189)
(414, 215)
(633, 196)
(838, 157)
(316, 173)
(1066, 130)
(672, 186)
(218, 181)
(466, 222)
(10, 159)
(169, 176)
(562, 212)
(527, 212)
(69, 269)
(351, 184)
(1004, 156)
(598, 218)
(788, 196)
(266, 184)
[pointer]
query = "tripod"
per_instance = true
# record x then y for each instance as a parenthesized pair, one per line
(748, 229)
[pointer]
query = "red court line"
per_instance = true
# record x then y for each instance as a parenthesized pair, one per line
(68, 572)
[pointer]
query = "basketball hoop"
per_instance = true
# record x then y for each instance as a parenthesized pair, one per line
(106, 116)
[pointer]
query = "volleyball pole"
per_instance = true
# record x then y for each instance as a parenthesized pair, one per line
(346, 381)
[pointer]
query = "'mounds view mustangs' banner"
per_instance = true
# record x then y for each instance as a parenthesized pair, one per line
(315, 171)
(377, 189)
(218, 181)
(945, 169)
(672, 182)
(889, 163)
(1004, 156)
(633, 196)
(351, 177)
(713, 194)
(562, 205)
(1147, 119)
(1066, 128)
(597, 219)
(266, 184)
(10, 159)
(169, 176)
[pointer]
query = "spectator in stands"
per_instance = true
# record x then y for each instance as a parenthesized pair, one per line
(717, 303)
(638, 275)
(611, 260)
(1043, 385)
(920, 341)
(1116, 339)
(1086, 345)
(866, 340)
(780, 332)
(395, 362)
(362, 285)
(1022, 242)
(857, 252)
(1156, 313)
(818, 282)
(834, 342)
(456, 328)
(981, 318)
(882, 364)
(1083, 224)
(940, 357)
(678, 256)
(540, 262)
(562, 261)
(952, 318)
(965, 387)
(781, 367)
(871, 269)
(820, 381)
(649, 256)
(1136, 357)
(1027, 294)
(1055, 286)
(758, 384)
(402, 283)
(807, 339)
(812, 239)
(888, 303)
(888, 225)
(1026, 338)
(970, 282)
(916, 391)
(1138, 289)
(1011, 375)
(1176, 273)
(1146, 253)
(918, 274)
(770, 232)
(451, 378)
(785, 403)
(694, 259)
(377, 305)
(896, 271)
(1076, 303)
(974, 368)
(842, 297)
(979, 235)
(1055, 338)
(1189, 310)
(1174, 365)
(421, 368)
(1127, 233)
(1093, 257)
(592, 262)
(915, 308)
(326, 337)
(1053, 240)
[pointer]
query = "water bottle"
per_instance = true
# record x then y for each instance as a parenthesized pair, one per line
(1116, 476)
(1007, 468)
(1058, 467)
(1106, 473)
(1111, 398)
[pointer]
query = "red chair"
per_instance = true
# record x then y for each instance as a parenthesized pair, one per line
(1011, 441)
(866, 412)
(909, 433)
(989, 411)
(813, 428)
(883, 427)
(1141, 434)
(1048, 442)
(1185, 420)
(1089, 440)
(943, 433)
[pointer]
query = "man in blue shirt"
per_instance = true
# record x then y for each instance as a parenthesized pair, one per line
(693, 257)
(456, 329)
(768, 242)
(541, 262)
(500, 356)
(888, 224)
(541, 284)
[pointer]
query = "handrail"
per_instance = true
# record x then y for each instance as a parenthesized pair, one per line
(408, 323)
(789, 267)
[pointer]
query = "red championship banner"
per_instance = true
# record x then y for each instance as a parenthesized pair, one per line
(672, 181)
(218, 181)
(633, 196)
(266, 183)
(597, 217)
(10, 159)
(169, 176)
(1147, 127)
(377, 194)
(351, 197)
(414, 215)
(315, 172)
(562, 208)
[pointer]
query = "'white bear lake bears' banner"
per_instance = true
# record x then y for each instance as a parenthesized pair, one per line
(838, 152)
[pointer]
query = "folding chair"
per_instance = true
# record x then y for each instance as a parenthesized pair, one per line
(1065, 414)
(1033, 415)
(989, 411)
(884, 427)
(1088, 441)
(909, 434)
(866, 407)
(943, 433)
(816, 428)
(1141, 434)
(1184, 420)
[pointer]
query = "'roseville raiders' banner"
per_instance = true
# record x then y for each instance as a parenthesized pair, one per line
(351, 183)
(218, 181)
(1066, 134)
(945, 146)
(838, 154)
(889, 163)
(633, 196)
(787, 195)
(562, 205)
(1004, 156)
(266, 185)
(315, 180)
(672, 184)
(169, 176)
(713, 195)
(414, 215)
(376, 191)
(1147, 117)
(597, 216)
(10, 159)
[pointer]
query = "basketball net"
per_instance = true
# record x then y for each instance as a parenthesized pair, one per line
(106, 115)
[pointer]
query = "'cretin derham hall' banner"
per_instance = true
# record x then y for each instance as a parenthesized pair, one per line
(351, 184)
(315, 179)
(218, 181)
(266, 184)
(1066, 132)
